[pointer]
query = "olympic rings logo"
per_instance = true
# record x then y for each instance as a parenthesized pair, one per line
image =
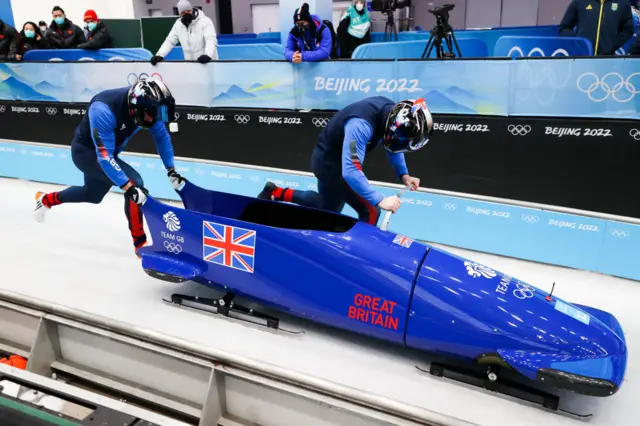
(538, 50)
(519, 130)
(172, 247)
(523, 291)
(241, 119)
(530, 218)
(635, 133)
(449, 206)
(609, 86)
(133, 78)
(619, 233)
(51, 110)
(320, 122)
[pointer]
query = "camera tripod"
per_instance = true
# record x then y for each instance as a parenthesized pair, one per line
(390, 27)
(442, 31)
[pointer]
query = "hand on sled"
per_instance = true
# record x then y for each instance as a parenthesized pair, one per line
(136, 194)
(177, 181)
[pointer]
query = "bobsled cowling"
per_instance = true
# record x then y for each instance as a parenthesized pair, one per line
(338, 271)
(464, 308)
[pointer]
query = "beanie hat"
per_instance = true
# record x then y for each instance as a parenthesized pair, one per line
(302, 14)
(184, 5)
(90, 15)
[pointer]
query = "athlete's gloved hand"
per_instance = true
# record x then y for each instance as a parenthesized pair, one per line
(391, 204)
(136, 194)
(156, 59)
(177, 181)
(203, 59)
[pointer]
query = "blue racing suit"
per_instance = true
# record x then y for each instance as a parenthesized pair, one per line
(338, 157)
(102, 135)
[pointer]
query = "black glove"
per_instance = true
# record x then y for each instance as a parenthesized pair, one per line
(204, 59)
(137, 195)
(156, 59)
(177, 181)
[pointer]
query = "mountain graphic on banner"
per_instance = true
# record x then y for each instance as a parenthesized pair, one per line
(462, 96)
(263, 91)
(234, 92)
(12, 88)
(439, 102)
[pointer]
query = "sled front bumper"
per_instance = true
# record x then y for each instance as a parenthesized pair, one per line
(576, 383)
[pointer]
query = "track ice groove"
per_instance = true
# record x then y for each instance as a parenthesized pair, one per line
(82, 257)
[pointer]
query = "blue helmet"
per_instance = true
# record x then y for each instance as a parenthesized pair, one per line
(409, 126)
(149, 101)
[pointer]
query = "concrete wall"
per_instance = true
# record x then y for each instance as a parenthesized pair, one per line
(141, 8)
(467, 13)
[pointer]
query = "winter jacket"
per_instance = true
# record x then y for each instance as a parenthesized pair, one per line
(8, 41)
(26, 44)
(608, 24)
(198, 39)
(630, 45)
(65, 36)
(316, 50)
(100, 38)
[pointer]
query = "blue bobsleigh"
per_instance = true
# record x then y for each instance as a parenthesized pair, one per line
(332, 269)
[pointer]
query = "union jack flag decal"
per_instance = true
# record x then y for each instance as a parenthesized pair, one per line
(403, 241)
(418, 104)
(229, 246)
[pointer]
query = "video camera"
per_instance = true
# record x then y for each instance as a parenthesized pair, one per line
(442, 10)
(387, 6)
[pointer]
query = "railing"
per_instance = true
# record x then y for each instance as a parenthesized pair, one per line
(197, 384)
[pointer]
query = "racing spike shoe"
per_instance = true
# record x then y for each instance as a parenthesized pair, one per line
(41, 207)
(268, 191)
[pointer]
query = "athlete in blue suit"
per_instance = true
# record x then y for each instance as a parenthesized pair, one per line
(113, 117)
(341, 149)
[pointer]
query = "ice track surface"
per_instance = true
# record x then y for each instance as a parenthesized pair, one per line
(82, 257)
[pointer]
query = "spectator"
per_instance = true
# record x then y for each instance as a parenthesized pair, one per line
(98, 35)
(354, 28)
(310, 39)
(8, 40)
(196, 34)
(62, 33)
(31, 38)
(608, 24)
(43, 27)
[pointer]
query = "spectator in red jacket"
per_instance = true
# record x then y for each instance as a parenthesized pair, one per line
(98, 36)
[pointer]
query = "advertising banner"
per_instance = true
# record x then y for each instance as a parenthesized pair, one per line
(602, 88)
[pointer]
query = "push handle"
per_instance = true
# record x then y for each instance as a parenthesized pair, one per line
(387, 215)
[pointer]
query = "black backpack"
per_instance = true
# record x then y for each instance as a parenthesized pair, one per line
(334, 38)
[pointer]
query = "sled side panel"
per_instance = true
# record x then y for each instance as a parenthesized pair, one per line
(359, 280)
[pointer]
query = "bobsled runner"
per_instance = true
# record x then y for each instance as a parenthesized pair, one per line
(335, 270)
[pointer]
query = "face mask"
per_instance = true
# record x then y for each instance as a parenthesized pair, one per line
(359, 7)
(59, 20)
(43, 29)
(302, 28)
(29, 33)
(187, 19)
(92, 26)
